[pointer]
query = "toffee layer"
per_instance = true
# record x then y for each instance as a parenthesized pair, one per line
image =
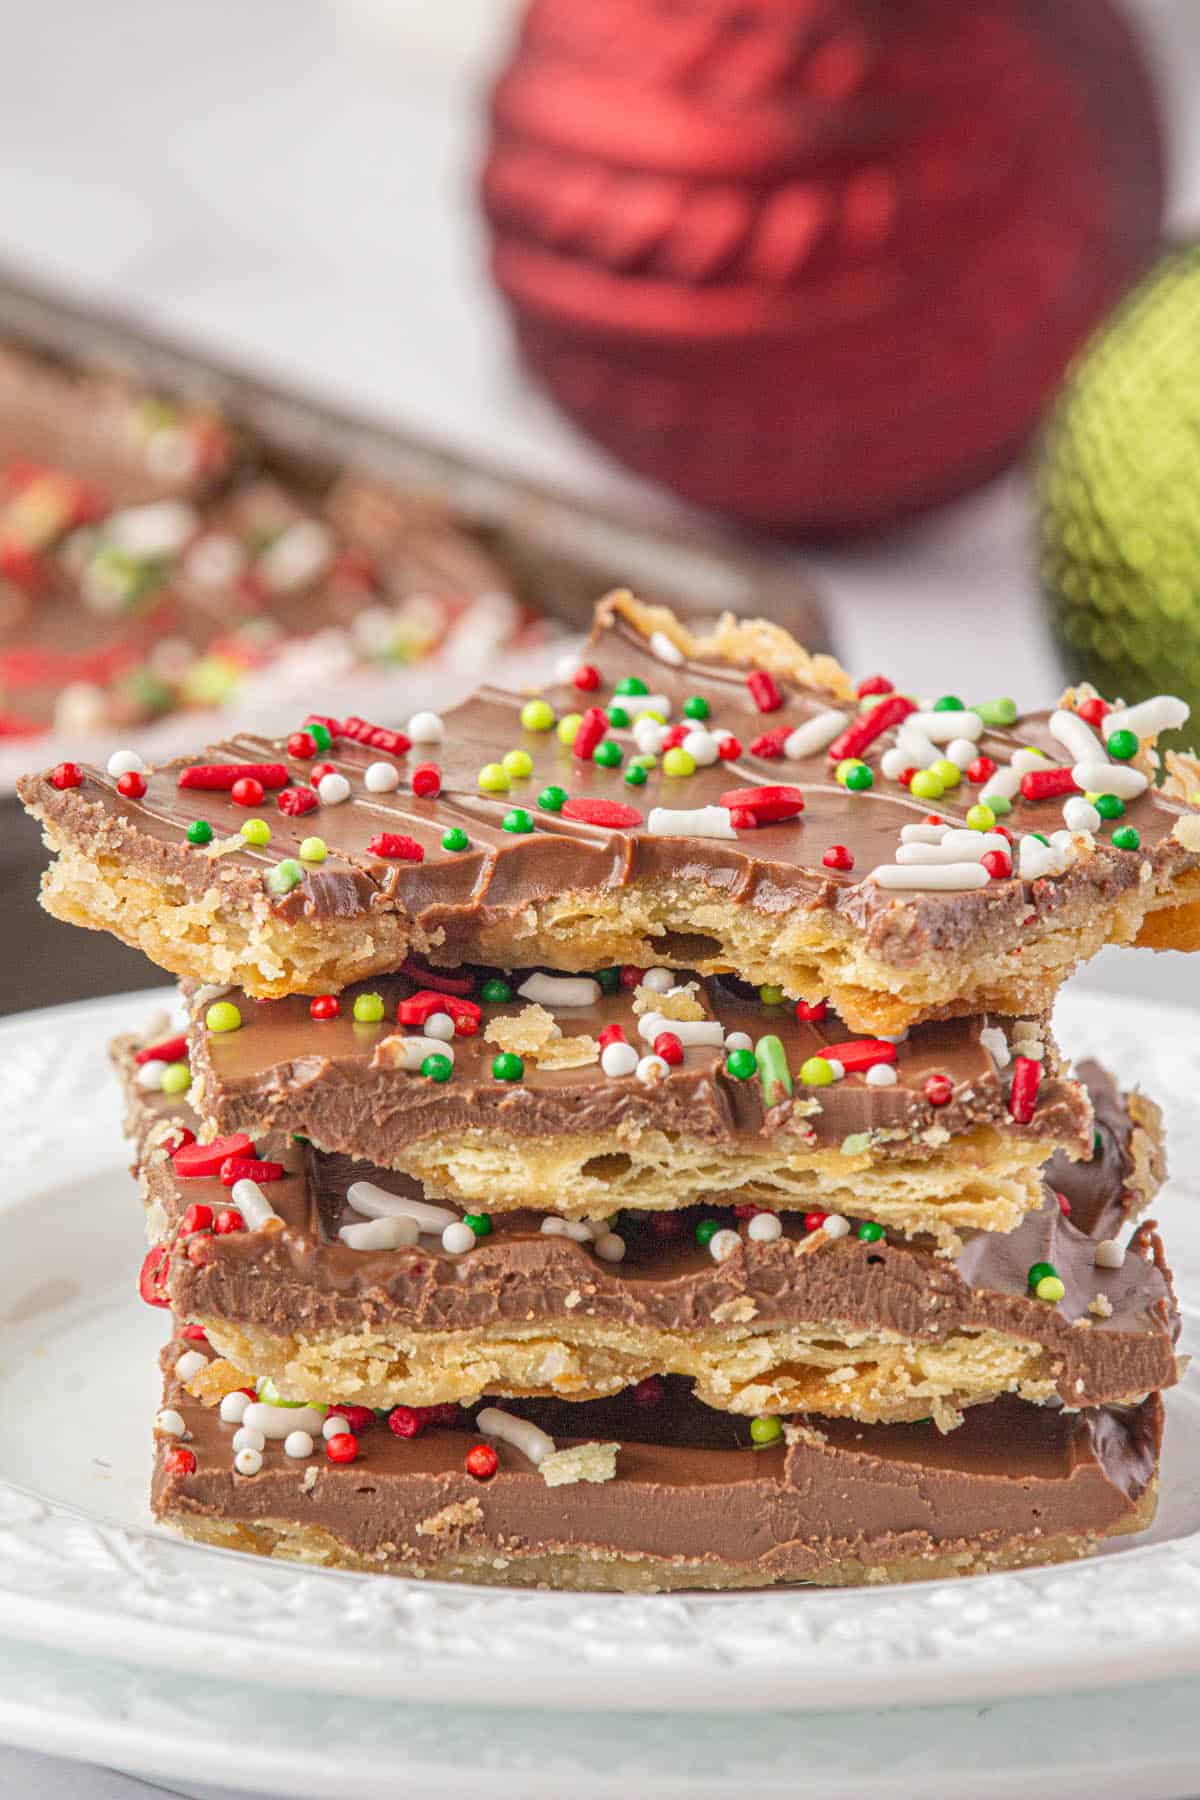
(856, 1326)
(691, 1503)
(570, 892)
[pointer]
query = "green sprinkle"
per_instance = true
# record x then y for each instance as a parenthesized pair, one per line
(631, 684)
(707, 1229)
(765, 1430)
(1109, 806)
(816, 1072)
(608, 754)
(1000, 713)
(568, 725)
(741, 1064)
(517, 764)
(1122, 745)
(270, 1395)
(507, 1066)
(647, 760)
(495, 992)
(256, 831)
(925, 785)
(1038, 1271)
(948, 703)
(635, 775)
(436, 1067)
(313, 850)
(774, 1075)
(856, 1143)
(537, 715)
(1126, 838)
(493, 778)
(870, 1231)
(368, 1008)
(518, 820)
(609, 980)
(285, 876)
(223, 1015)
(552, 799)
(1041, 838)
(859, 778)
(199, 832)
(319, 735)
(480, 1223)
(696, 707)
(1051, 1289)
(176, 1078)
(1097, 1142)
(455, 839)
(1000, 805)
(618, 718)
(770, 995)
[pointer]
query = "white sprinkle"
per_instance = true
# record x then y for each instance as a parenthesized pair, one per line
(1110, 1254)
(158, 529)
(426, 728)
(702, 747)
(996, 1045)
(1110, 778)
(381, 778)
(252, 1203)
(536, 1445)
(1028, 762)
(839, 1071)
(376, 1203)
(1003, 785)
(380, 1234)
(618, 1058)
(1076, 736)
(947, 877)
(334, 1426)
(148, 1079)
(952, 849)
(665, 649)
(298, 1444)
(297, 555)
(642, 703)
(739, 1040)
(1080, 815)
(961, 752)
(564, 668)
(440, 1026)
(659, 981)
(580, 1231)
(333, 789)
(610, 1247)
(923, 834)
(688, 1031)
(233, 1407)
(458, 1238)
(835, 1226)
(915, 747)
(170, 1421)
(941, 727)
(413, 1050)
(651, 1070)
(561, 990)
(204, 996)
(125, 762)
(247, 1438)
(700, 821)
(190, 1365)
(277, 1421)
(723, 1244)
(1037, 860)
(248, 1462)
(893, 762)
(1163, 713)
(815, 734)
(881, 1075)
(764, 1228)
(648, 735)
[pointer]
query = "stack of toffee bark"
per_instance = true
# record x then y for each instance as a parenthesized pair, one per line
(618, 1139)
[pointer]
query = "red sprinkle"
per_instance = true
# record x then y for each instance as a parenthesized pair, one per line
(610, 815)
(812, 1011)
(858, 1054)
(668, 1046)
(1094, 710)
(673, 737)
(378, 737)
(728, 748)
(332, 726)
(482, 1462)
(612, 1034)
(874, 684)
(358, 1418)
(195, 1334)
(131, 785)
(765, 691)
(342, 1447)
(838, 857)
(179, 1461)
(771, 743)
(981, 770)
(302, 744)
(813, 1221)
(746, 1209)
(1064, 1205)
(325, 1006)
(631, 975)
(437, 978)
(742, 819)
(648, 1392)
(592, 727)
(1022, 1096)
(870, 725)
(177, 1139)
(218, 778)
(768, 804)
(249, 1168)
(197, 1218)
(295, 801)
(408, 1421)
(66, 775)
(1048, 784)
(998, 864)
(426, 781)
(172, 1049)
(586, 678)
(665, 1225)
(195, 1160)
(319, 771)
(419, 1008)
(228, 1220)
(247, 792)
(152, 1276)
(939, 1090)
(397, 846)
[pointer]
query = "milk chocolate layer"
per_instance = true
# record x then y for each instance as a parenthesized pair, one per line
(1111, 1336)
(455, 901)
(333, 1080)
(840, 1502)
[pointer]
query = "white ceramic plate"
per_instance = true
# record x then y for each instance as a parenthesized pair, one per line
(83, 1570)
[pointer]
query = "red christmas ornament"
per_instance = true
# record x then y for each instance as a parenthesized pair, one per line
(817, 265)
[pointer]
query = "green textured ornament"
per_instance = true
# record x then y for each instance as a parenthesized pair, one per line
(1119, 524)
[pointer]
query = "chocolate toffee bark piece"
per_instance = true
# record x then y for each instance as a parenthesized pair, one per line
(935, 1134)
(764, 1317)
(626, 1494)
(563, 856)
(1127, 1166)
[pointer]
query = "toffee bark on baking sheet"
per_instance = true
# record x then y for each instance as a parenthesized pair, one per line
(688, 1499)
(522, 867)
(854, 1324)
